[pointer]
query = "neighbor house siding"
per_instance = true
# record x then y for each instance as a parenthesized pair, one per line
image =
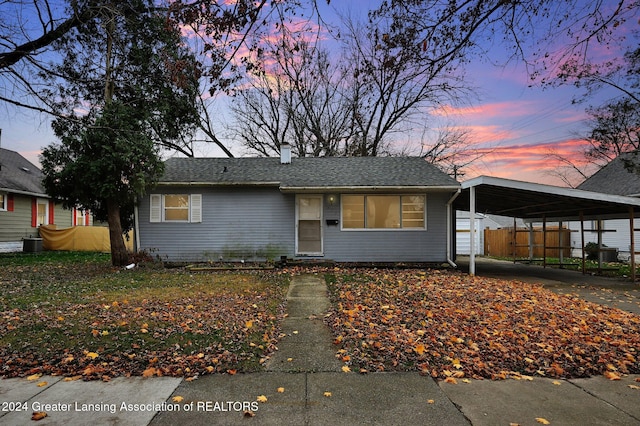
(16, 225)
(397, 245)
(237, 224)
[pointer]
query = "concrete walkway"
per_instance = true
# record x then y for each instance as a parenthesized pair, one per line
(304, 385)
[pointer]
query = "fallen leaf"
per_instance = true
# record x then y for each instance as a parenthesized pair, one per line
(38, 415)
(34, 377)
(327, 394)
(451, 380)
(248, 324)
(262, 398)
(430, 401)
(248, 413)
(634, 386)
(280, 390)
(346, 369)
(149, 372)
(177, 398)
(543, 421)
(557, 383)
(611, 375)
(92, 355)
(42, 384)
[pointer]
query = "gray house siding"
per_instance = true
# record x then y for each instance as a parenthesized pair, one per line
(390, 245)
(237, 224)
(259, 223)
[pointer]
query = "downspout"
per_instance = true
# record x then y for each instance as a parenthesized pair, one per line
(450, 226)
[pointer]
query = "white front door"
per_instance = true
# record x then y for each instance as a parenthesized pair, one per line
(309, 225)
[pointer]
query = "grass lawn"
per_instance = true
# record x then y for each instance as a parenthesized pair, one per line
(75, 315)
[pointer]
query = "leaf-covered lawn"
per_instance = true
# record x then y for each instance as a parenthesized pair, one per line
(451, 325)
(88, 320)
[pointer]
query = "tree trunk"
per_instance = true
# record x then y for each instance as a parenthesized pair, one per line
(119, 255)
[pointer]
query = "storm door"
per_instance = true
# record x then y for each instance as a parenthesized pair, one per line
(309, 225)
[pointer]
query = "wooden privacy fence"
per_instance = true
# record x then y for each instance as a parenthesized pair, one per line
(500, 242)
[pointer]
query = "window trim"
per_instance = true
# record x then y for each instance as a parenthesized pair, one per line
(157, 208)
(399, 229)
(4, 204)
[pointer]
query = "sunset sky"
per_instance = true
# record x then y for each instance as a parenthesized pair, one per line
(516, 124)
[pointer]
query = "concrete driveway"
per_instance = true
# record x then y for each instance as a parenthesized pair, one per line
(616, 292)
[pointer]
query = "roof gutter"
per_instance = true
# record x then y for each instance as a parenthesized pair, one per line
(450, 228)
(218, 184)
(409, 188)
(33, 194)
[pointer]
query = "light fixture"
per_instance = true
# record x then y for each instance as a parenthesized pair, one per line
(331, 199)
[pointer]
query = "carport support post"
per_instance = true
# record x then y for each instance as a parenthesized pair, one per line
(582, 241)
(560, 244)
(632, 248)
(472, 230)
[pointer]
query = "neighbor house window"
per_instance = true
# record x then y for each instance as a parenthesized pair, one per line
(176, 208)
(3, 202)
(80, 217)
(383, 212)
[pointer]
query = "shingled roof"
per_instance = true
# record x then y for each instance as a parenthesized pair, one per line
(613, 179)
(19, 175)
(309, 173)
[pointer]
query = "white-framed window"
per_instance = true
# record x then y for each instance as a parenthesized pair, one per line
(3, 201)
(42, 209)
(373, 211)
(80, 217)
(175, 208)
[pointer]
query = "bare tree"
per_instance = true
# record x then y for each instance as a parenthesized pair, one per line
(294, 95)
(393, 81)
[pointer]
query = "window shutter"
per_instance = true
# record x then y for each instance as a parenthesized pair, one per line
(155, 208)
(52, 209)
(10, 202)
(86, 218)
(196, 208)
(34, 212)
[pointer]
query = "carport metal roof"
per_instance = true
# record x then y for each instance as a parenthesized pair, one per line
(535, 202)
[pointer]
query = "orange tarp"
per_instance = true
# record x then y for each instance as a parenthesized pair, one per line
(78, 238)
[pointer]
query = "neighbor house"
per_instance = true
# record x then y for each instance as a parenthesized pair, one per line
(612, 179)
(351, 209)
(24, 205)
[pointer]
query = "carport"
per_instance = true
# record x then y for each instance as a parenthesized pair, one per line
(535, 202)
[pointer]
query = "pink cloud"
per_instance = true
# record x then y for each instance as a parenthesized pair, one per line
(529, 162)
(489, 110)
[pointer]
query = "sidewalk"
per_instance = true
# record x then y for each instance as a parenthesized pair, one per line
(304, 385)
